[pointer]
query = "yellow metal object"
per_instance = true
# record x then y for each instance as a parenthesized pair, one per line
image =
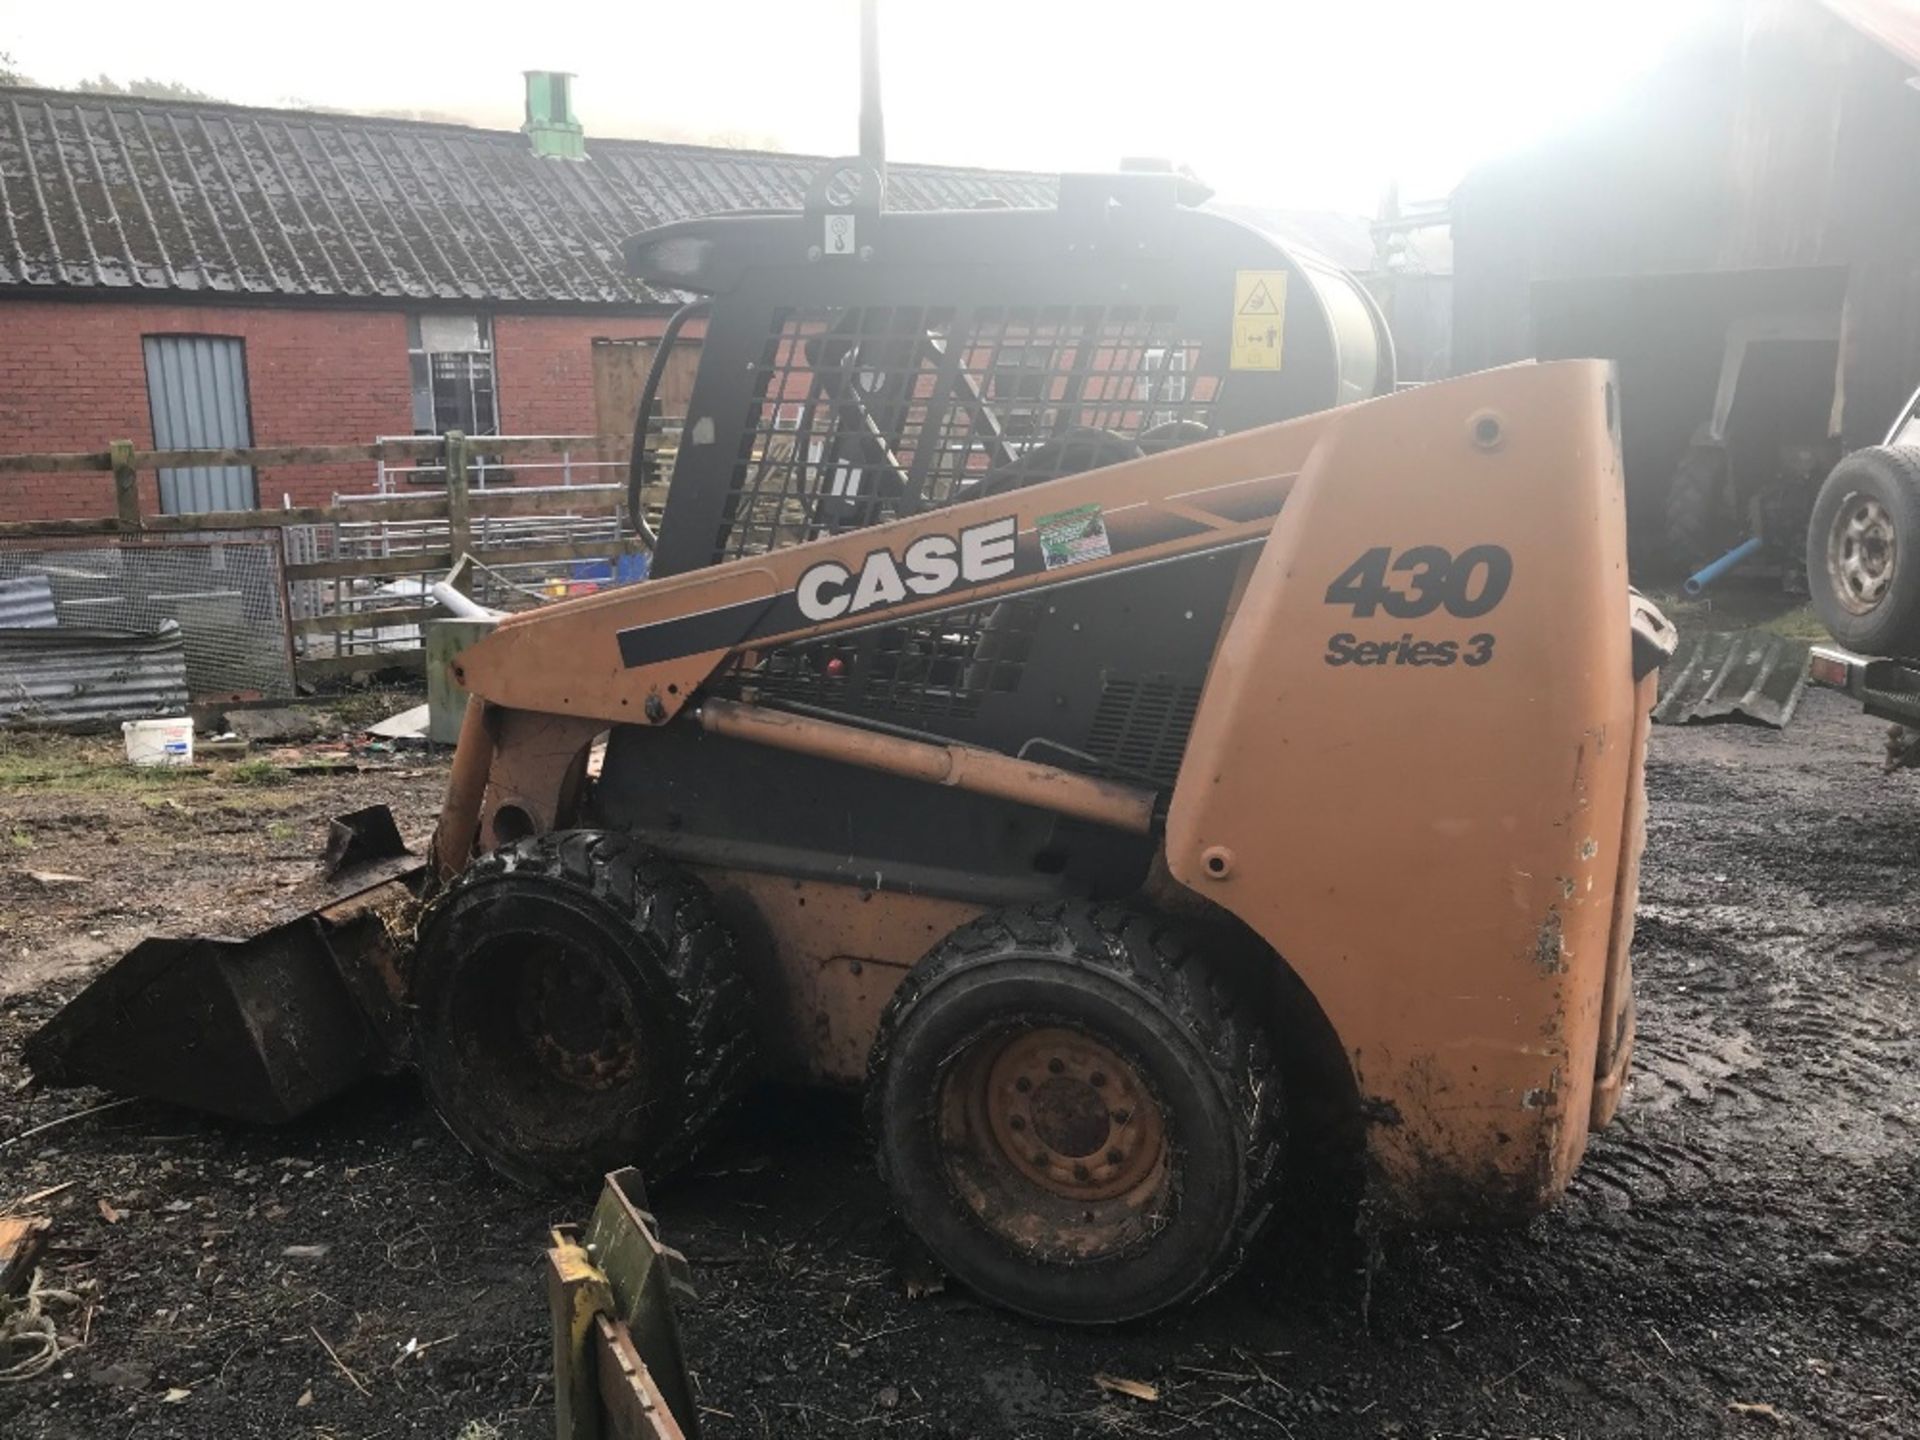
(577, 1295)
(617, 1367)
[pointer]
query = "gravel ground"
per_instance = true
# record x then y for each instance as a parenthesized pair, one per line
(1738, 1255)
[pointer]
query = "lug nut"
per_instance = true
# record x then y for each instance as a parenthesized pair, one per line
(1023, 1085)
(1114, 1157)
(1014, 1122)
(1121, 1117)
(1040, 1157)
(1055, 1066)
(1080, 1172)
(1098, 1079)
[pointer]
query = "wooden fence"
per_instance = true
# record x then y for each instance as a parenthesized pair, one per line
(458, 506)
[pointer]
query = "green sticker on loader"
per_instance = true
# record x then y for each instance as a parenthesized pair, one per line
(1073, 537)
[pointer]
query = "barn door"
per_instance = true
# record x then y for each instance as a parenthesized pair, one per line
(620, 374)
(197, 390)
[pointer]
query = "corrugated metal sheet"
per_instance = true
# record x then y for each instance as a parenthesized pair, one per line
(1733, 675)
(226, 593)
(197, 389)
(103, 192)
(27, 603)
(88, 679)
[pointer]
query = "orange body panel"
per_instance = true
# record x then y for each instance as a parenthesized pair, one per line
(1433, 817)
(825, 959)
(1435, 848)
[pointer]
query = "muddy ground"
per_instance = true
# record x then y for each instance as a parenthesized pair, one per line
(1739, 1255)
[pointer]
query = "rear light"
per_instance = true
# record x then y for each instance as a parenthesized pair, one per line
(1833, 670)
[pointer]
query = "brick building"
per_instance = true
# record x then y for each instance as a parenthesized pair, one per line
(182, 274)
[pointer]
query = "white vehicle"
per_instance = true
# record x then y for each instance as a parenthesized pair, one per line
(1863, 567)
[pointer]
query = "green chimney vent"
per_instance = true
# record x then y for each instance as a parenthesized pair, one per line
(550, 123)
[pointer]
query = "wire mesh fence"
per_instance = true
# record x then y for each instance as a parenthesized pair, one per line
(224, 591)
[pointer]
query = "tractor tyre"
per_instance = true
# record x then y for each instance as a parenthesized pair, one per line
(578, 1008)
(1863, 551)
(1074, 1114)
(1702, 521)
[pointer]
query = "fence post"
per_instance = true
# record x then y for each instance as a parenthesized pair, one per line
(126, 485)
(459, 515)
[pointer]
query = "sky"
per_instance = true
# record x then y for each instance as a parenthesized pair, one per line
(1307, 105)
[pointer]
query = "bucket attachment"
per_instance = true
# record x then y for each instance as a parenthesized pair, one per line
(618, 1370)
(261, 1029)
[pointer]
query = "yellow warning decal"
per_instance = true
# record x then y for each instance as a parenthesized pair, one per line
(1259, 315)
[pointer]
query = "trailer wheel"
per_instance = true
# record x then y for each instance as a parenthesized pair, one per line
(1073, 1115)
(578, 1008)
(1863, 551)
(1702, 521)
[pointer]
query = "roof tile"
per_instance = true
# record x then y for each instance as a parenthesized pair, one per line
(114, 193)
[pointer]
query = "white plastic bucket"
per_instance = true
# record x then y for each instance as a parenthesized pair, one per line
(159, 742)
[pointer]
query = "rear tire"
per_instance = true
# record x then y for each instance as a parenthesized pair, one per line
(1702, 521)
(578, 1008)
(1073, 1115)
(1863, 551)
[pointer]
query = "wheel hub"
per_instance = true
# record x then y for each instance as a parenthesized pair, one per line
(570, 1021)
(1071, 1114)
(1055, 1141)
(1861, 553)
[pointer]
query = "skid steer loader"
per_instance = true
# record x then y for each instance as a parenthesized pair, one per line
(1076, 702)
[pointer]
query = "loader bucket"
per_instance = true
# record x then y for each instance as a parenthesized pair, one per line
(260, 1029)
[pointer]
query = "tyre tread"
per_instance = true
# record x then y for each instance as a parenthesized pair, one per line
(1161, 960)
(706, 992)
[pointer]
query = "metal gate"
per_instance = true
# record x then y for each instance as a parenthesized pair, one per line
(197, 389)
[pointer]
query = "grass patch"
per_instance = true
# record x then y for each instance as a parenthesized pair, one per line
(32, 760)
(256, 772)
(1800, 624)
(91, 765)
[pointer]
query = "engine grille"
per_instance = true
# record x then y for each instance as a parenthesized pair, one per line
(1141, 725)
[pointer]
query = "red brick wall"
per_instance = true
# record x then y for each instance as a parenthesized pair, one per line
(73, 377)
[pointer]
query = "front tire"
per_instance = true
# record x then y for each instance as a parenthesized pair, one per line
(577, 1008)
(1073, 1114)
(1863, 551)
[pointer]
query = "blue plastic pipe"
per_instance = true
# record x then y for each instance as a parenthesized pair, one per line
(1707, 574)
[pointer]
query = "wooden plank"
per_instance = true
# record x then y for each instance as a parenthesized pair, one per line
(577, 501)
(362, 619)
(432, 506)
(425, 447)
(573, 550)
(459, 511)
(529, 447)
(413, 563)
(327, 666)
(32, 529)
(126, 486)
(64, 463)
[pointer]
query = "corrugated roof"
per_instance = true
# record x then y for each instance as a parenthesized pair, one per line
(114, 193)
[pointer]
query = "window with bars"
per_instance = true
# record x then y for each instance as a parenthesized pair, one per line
(859, 416)
(451, 360)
